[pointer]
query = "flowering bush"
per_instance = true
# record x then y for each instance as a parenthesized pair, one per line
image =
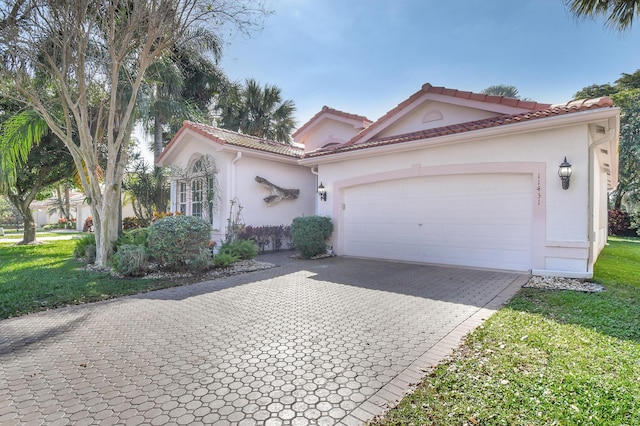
(88, 224)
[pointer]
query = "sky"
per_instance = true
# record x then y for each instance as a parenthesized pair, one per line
(366, 56)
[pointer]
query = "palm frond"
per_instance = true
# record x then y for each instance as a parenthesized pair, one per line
(17, 135)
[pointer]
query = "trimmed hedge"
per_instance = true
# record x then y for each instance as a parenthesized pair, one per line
(310, 233)
(177, 241)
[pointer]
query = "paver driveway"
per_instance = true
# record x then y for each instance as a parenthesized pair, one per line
(309, 342)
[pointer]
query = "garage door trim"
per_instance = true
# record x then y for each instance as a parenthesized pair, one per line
(536, 170)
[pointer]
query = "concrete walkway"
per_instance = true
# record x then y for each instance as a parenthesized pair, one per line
(324, 342)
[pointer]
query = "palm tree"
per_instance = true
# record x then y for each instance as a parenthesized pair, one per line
(619, 13)
(502, 90)
(256, 111)
(180, 85)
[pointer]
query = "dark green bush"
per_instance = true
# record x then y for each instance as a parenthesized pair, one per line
(131, 260)
(79, 252)
(176, 241)
(133, 237)
(310, 233)
(242, 249)
(224, 259)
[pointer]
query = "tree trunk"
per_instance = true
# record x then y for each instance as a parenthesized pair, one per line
(617, 201)
(105, 221)
(29, 234)
(157, 138)
(67, 202)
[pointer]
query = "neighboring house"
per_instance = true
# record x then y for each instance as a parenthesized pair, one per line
(45, 212)
(446, 177)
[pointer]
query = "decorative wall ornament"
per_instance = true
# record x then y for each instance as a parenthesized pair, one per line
(277, 193)
(432, 115)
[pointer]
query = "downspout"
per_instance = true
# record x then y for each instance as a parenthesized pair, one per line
(591, 233)
(232, 190)
(314, 170)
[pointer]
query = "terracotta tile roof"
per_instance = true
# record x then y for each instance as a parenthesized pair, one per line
(502, 120)
(228, 137)
(428, 88)
(365, 121)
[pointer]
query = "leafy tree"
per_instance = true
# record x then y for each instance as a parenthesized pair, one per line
(90, 60)
(48, 162)
(595, 91)
(502, 90)
(619, 13)
(628, 189)
(256, 111)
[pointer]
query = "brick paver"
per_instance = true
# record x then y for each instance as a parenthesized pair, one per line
(333, 341)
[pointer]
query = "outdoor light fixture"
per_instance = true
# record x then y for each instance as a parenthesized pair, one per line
(322, 192)
(564, 171)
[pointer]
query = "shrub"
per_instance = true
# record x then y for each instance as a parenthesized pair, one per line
(90, 253)
(619, 223)
(130, 222)
(135, 237)
(175, 241)
(131, 260)
(202, 261)
(224, 259)
(241, 249)
(267, 237)
(81, 246)
(309, 234)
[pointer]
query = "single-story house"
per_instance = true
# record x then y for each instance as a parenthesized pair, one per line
(446, 177)
(45, 212)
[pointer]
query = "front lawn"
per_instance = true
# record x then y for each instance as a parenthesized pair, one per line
(43, 276)
(547, 358)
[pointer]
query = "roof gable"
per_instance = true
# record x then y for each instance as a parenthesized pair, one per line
(358, 122)
(484, 106)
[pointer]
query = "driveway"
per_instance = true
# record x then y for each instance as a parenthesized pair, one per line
(330, 341)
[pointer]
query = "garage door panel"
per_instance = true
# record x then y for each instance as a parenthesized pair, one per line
(475, 220)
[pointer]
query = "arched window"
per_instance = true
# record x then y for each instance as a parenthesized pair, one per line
(197, 191)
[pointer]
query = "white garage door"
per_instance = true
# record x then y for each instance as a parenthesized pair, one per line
(480, 220)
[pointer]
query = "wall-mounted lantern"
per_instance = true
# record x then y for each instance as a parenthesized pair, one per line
(322, 192)
(564, 171)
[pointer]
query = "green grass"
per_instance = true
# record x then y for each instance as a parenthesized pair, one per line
(547, 358)
(12, 234)
(38, 277)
